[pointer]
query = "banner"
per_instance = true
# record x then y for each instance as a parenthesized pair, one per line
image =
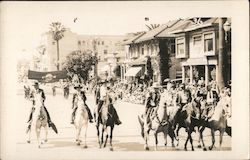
(47, 77)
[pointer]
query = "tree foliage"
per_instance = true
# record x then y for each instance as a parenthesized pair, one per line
(164, 59)
(57, 30)
(81, 63)
(152, 26)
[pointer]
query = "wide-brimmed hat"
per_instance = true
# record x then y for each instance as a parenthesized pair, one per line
(78, 86)
(166, 80)
(156, 85)
(35, 84)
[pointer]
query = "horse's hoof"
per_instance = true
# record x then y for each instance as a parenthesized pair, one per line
(146, 148)
(85, 146)
(192, 149)
(210, 148)
(111, 149)
(28, 141)
(199, 146)
(173, 145)
(185, 149)
(205, 149)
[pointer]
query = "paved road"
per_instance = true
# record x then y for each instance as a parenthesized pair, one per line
(126, 136)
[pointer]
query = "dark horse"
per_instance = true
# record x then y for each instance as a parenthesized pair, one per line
(187, 117)
(105, 119)
(218, 121)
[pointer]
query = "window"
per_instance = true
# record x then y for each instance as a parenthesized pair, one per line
(208, 42)
(142, 51)
(102, 42)
(105, 51)
(83, 42)
(172, 46)
(79, 43)
(180, 46)
(196, 40)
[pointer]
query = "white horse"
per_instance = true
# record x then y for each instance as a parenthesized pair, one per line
(40, 120)
(81, 121)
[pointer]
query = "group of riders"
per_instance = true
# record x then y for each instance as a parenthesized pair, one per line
(37, 96)
(174, 97)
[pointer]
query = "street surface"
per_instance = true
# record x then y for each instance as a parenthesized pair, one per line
(126, 137)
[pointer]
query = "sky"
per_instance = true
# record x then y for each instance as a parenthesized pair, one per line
(23, 23)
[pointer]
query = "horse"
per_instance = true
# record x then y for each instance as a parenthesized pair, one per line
(81, 120)
(104, 117)
(153, 123)
(187, 117)
(218, 121)
(40, 120)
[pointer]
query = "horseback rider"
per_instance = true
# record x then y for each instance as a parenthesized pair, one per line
(184, 96)
(152, 100)
(78, 98)
(104, 92)
(38, 97)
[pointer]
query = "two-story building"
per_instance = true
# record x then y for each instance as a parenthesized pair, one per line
(197, 47)
(158, 44)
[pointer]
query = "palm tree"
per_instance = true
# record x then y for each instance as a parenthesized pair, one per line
(152, 26)
(57, 30)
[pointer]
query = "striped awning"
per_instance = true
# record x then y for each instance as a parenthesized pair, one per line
(133, 71)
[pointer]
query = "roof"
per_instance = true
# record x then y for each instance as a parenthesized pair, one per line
(134, 38)
(167, 32)
(191, 25)
(154, 32)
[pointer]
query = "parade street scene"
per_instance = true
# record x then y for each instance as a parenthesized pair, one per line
(149, 83)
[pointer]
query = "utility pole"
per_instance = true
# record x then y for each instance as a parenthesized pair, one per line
(221, 60)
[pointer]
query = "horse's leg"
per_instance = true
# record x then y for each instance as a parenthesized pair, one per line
(98, 135)
(38, 131)
(221, 136)
(29, 134)
(85, 135)
(165, 137)
(172, 136)
(106, 137)
(46, 133)
(201, 138)
(177, 135)
(111, 136)
(185, 145)
(102, 136)
(146, 137)
(156, 139)
(213, 139)
(78, 132)
(191, 139)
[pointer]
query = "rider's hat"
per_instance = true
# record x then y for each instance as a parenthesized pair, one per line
(156, 85)
(35, 83)
(78, 86)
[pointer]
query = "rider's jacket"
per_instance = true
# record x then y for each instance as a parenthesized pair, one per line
(38, 97)
(79, 99)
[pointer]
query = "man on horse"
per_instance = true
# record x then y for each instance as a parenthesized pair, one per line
(37, 96)
(104, 92)
(152, 100)
(77, 97)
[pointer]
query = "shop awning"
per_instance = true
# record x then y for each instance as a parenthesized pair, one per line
(133, 71)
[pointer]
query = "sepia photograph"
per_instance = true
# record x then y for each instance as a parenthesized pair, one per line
(124, 80)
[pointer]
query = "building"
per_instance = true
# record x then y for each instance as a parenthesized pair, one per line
(158, 44)
(109, 49)
(197, 47)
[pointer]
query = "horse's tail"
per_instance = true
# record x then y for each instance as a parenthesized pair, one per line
(141, 123)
